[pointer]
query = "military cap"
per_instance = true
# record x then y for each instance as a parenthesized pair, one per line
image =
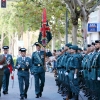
(74, 47)
(80, 49)
(62, 48)
(93, 43)
(85, 49)
(22, 49)
(36, 44)
(59, 50)
(97, 41)
(5, 47)
(68, 44)
(89, 45)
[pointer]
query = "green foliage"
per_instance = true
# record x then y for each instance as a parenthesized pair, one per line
(6, 41)
(27, 14)
(14, 59)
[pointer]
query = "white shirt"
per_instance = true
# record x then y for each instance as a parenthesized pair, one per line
(23, 58)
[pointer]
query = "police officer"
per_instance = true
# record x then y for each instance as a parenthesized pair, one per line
(23, 64)
(38, 69)
(8, 70)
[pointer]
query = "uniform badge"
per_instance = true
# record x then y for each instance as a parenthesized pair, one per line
(27, 63)
(42, 56)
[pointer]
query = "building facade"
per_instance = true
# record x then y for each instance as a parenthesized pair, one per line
(94, 26)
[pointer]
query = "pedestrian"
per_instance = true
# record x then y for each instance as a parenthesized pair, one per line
(3, 64)
(38, 69)
(7, 70)
(23, 64)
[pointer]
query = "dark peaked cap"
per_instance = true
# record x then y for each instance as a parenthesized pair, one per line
(36, 44)
(5, 47)
(89, 45)
(97, 41)
(22, 49)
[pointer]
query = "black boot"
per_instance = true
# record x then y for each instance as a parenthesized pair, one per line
(5, 92)
(40, 94)
(25, 96)
(22, 98)
(76, 97)
(37, 96)
(69, 95)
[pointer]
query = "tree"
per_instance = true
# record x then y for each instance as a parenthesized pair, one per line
(30, 17)
(82, 9)
(87, 7)
(75, 13)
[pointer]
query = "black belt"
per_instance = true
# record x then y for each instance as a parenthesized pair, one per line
(72, 68)
(38, 65)
(23, 69)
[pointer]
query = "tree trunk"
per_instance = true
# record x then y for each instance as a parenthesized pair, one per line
(74, 34)
(84, 33)
(60, 38)
(2, 36)
(53, 42)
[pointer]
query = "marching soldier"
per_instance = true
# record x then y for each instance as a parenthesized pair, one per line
(3, 64)
(7, 70)
(38, 69)
(23, 64)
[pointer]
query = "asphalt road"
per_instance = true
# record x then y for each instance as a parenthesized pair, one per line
(50, 90)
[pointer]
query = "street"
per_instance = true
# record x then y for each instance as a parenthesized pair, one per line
(50, 90)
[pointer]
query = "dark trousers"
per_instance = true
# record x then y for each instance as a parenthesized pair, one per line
(39, 82)
(1, 77)
(23, 84)
(6, 81)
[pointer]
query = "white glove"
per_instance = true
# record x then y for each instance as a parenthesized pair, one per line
(98, 78)
(75, 76)
(59, 72)
(66, 73)
(13, 72)
(31, 76)
(8, 62)
(18, 66)
(1, 66)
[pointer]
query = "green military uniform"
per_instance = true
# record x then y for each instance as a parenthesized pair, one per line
(38, 70)
(23, 64)
(8, 70)
(73, 74)
(96, 70)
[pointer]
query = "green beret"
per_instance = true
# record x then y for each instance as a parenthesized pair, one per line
(74, 47)
(80, 49)
(68, 44)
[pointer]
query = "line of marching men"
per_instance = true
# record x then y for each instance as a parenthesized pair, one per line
(25, 66)
(79, 70)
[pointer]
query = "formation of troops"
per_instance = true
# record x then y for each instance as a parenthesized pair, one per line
(26, 67)
(79, 70)
(76, 70)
